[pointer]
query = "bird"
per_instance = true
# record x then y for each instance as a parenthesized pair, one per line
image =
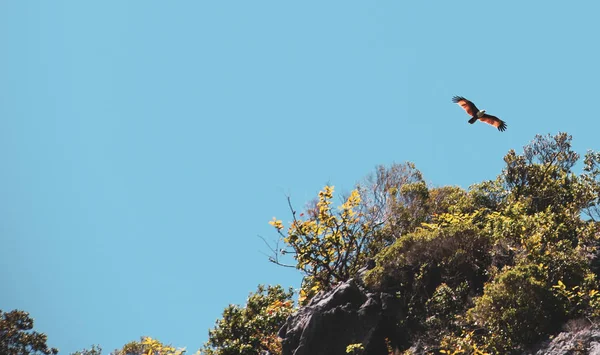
(476, 114)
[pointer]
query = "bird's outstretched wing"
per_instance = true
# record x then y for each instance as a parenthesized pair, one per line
(494, 121)
(466, 105)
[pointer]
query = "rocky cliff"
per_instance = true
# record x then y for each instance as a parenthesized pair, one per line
(350, 314)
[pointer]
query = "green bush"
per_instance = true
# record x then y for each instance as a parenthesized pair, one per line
(433, 272)
(252, 329)
(517, 308)
(419, 262)
(444, 307)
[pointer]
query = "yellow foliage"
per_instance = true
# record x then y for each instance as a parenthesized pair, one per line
(278, 307)
(464, 345)
(276, 223)
(155, 347)
(272, 344)
(354, 348)
(326, 242)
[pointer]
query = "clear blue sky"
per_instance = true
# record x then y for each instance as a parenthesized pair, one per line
(145, 145)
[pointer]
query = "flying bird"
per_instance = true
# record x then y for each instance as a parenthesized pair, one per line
(476, 114)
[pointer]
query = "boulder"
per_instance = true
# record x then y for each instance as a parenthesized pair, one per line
(348, 314)
(577, 341)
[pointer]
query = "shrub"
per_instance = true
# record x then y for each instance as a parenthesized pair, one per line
(252, 329)
(419, 262)
(517, 308)
(432, 271)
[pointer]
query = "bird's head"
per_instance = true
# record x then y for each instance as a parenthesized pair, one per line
(480, 113)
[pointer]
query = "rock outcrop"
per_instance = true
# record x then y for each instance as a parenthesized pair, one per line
(583, 341)
(348, 314)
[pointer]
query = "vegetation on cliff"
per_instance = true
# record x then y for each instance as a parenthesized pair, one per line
(492, 269)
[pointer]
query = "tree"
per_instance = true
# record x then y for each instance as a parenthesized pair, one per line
(540, 222)
(16, 337)
(591, 178)
(394, 197)
(542, 175)
(496, 268)
(252, 329)
(147, 346)
(94, 350)
(329, 245)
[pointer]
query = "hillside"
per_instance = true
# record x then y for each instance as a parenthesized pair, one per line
(499, 268)
(508, 266)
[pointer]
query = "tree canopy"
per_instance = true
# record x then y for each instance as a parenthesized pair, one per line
(494, 268)
(18, 338)
(252, 329)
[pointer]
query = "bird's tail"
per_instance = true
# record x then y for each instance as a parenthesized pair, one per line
(473, 119)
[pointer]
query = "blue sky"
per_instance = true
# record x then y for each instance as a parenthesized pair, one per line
(146, 144)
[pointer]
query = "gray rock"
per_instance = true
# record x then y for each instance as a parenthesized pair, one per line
(577, 341)
(349, 314)
(331, 321)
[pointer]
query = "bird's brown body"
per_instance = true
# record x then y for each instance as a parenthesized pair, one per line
(476, 114)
